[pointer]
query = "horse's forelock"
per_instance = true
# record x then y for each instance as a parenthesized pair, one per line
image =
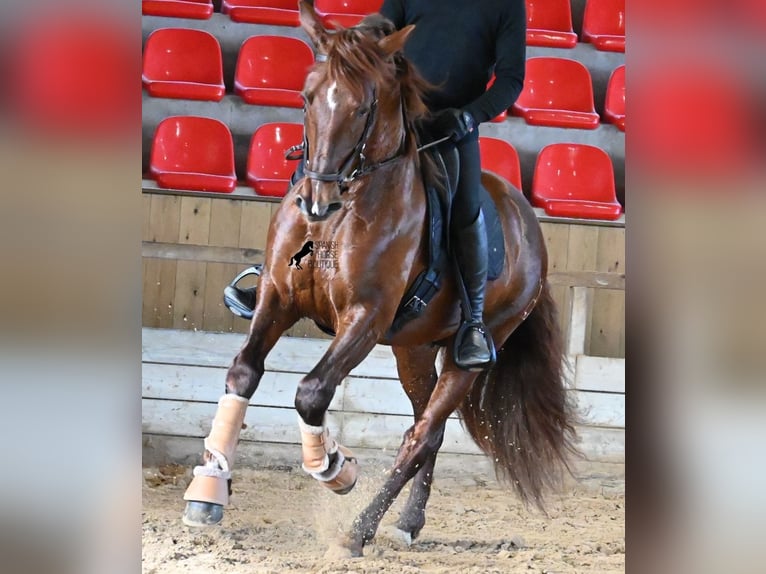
(355, 58)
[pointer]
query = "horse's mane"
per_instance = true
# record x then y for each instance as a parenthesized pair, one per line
(354, 57)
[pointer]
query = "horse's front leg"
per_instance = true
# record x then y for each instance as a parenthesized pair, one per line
(420, 443)
(327, 461)
(209, 490)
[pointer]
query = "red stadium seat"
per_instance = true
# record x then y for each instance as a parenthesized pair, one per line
(345, 12)
(557, 92)
(271, 70)
(549, 24)
(268, 172)
(614, 107)
(193, 153)
(271, 12)
(603, 24)
(575, 180)
(182, 63)
(197, 9)
(500, 157)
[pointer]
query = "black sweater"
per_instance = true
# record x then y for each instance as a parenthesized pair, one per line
(455, 45)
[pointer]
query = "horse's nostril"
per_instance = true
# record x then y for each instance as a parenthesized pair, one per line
(335, 206)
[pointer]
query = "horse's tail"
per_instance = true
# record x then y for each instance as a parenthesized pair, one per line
(518, 412)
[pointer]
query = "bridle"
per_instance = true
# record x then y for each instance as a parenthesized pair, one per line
(355, 165)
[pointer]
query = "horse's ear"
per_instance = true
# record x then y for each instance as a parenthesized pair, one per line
(395, 42)
(311, 24)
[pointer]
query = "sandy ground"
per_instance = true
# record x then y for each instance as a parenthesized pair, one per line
(282, 521)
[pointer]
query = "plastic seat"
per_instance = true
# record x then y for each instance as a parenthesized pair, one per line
(603, 24)
(271, 70)
(268, 172)
(575, 180)
(614, 106)
(557, 92)
(193, 153)
(549, 24)
(500, 157)
(346, 13)
(197, 9)
(182, 63)
(271, 12)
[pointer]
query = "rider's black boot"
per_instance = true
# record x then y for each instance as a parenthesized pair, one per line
(474, 349)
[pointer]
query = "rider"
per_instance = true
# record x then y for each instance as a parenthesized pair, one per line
(456, 46)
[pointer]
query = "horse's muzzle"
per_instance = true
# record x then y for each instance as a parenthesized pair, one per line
(317, 211)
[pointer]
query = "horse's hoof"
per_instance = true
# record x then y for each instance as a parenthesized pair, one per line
(344, 548)
(202, 514)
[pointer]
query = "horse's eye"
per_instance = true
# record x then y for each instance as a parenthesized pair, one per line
(361, 112)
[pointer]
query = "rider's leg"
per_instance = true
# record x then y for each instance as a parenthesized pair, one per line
(470, 246)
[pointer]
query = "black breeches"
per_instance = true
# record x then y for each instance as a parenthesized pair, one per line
(466, 204)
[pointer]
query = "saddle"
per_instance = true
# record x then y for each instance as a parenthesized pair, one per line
(439, 196)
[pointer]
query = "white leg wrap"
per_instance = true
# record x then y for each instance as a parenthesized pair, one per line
(317, 446)
(210, 482)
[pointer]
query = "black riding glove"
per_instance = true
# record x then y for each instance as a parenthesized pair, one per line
(452, 123)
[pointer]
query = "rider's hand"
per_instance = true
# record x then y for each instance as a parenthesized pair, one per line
(452, 123)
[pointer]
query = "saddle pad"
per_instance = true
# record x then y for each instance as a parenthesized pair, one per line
(495, 243)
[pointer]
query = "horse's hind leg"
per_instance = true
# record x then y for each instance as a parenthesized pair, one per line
(420, 443)
(417, 372)
(209, 490)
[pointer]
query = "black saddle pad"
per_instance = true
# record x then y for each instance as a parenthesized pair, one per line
(495, 242)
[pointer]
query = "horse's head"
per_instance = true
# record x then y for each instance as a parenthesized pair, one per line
(359, 98)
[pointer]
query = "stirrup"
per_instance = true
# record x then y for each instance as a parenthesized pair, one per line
(459, 338)
(235, 298)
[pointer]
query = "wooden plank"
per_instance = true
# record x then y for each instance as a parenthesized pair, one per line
(608, 334)
(254, 226)
(578, 321)
(189, 296)
(194, 225)
(600, 374)
(146, 213)
(225, 220)
(159, 284)
(217, 317)
(376, 395)
(557, 243)
(582, 256)
(164, 218)
(206, 384)
(600, 409)
(602, 444)
(610, 250)
(595, 279)
(608, 324)
(591, 475)
(218, 349)
(174, 251)
(180, 418)
(386, 431)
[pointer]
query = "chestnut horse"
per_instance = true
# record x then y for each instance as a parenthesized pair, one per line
(363, 195)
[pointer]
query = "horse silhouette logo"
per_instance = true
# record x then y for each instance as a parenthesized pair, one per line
(307, 249)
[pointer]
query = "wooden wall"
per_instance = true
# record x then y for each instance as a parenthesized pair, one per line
(183, 375)
(193, 245)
